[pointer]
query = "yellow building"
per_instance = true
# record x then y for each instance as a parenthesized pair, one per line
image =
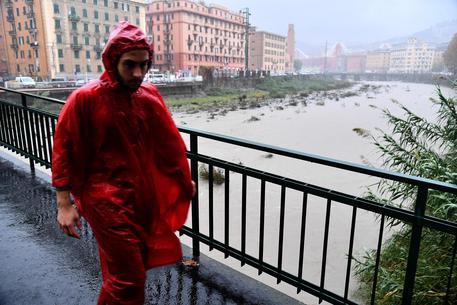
(378, 61)
(267, 52)
(63, 38)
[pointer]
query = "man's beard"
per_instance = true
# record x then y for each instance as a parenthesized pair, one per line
(131, 85)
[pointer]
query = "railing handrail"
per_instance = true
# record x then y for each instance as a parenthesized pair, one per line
(346, 165)
(49, 99)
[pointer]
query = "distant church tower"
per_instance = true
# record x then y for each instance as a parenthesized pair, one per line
(291, 45)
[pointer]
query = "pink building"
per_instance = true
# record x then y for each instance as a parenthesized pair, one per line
(188, 35)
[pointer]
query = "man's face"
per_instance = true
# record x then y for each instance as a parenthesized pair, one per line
(132, 68)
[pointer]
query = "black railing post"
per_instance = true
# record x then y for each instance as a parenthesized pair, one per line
(28, 131)
(195, 213)
(414, 245)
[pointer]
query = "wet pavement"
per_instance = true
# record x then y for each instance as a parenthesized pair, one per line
(41, 266)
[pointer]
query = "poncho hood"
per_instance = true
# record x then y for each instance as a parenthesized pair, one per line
(126, 37)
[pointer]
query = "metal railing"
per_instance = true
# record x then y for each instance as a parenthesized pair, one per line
(29, 132)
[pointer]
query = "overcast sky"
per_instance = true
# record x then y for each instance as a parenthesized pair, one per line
(347, 21)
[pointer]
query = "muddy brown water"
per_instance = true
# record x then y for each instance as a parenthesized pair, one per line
(317, 125)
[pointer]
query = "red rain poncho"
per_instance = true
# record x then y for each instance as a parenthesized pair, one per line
(124, 161)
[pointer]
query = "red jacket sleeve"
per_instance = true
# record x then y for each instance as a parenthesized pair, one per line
(67, 141)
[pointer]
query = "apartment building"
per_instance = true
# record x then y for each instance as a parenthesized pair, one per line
(63, 38)
(188, 35)
(378, 61)
(268, 52)
(413, 57)
(24, 38)
(3, 61)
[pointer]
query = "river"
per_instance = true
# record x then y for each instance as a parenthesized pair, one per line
(320, 126)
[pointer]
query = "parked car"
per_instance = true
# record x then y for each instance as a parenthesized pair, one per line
(25, 82)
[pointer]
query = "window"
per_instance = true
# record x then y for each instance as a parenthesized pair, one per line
(99, 55)
(86, 27)
(73, 11)
(75, 39)
(96, 14)
(116, 5)
(60, 53)
(84, 13)
(99, 68)
(106, 16)
(57, 24)
(116, 18)
(76, 54)
(77, 69)
(74, 26)
(97, 28)
(59, 38)
(19, 26)
(62, 68)
(95, 2)
(105, 3)
(107, 30)
(86, 41)
(137, 9)
(88, 68)
(88, 54)
(137, 21)
(56, 8)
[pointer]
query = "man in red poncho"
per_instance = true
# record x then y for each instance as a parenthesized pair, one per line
(118, 152)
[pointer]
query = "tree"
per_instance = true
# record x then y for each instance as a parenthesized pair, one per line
(206, 72)
(426, 149)
(298, 64)
(450, 56)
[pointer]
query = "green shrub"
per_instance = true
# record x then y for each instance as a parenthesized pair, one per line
(421, 148)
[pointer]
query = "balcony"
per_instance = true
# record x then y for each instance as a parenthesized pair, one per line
(32, 31)
(30, 14)
(73, 17)
(98, 48)
(29, 2)
(13, 33)
(14, 45)
(10, 18)
(76, 46)
(9, 3)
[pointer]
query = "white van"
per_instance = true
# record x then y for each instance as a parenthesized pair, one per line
(25, 82)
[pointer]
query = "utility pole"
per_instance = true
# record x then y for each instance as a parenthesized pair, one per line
(246, 38)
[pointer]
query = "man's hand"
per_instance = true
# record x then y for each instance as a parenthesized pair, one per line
(67, 215)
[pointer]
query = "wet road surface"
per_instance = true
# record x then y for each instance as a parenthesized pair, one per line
(39, 265)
